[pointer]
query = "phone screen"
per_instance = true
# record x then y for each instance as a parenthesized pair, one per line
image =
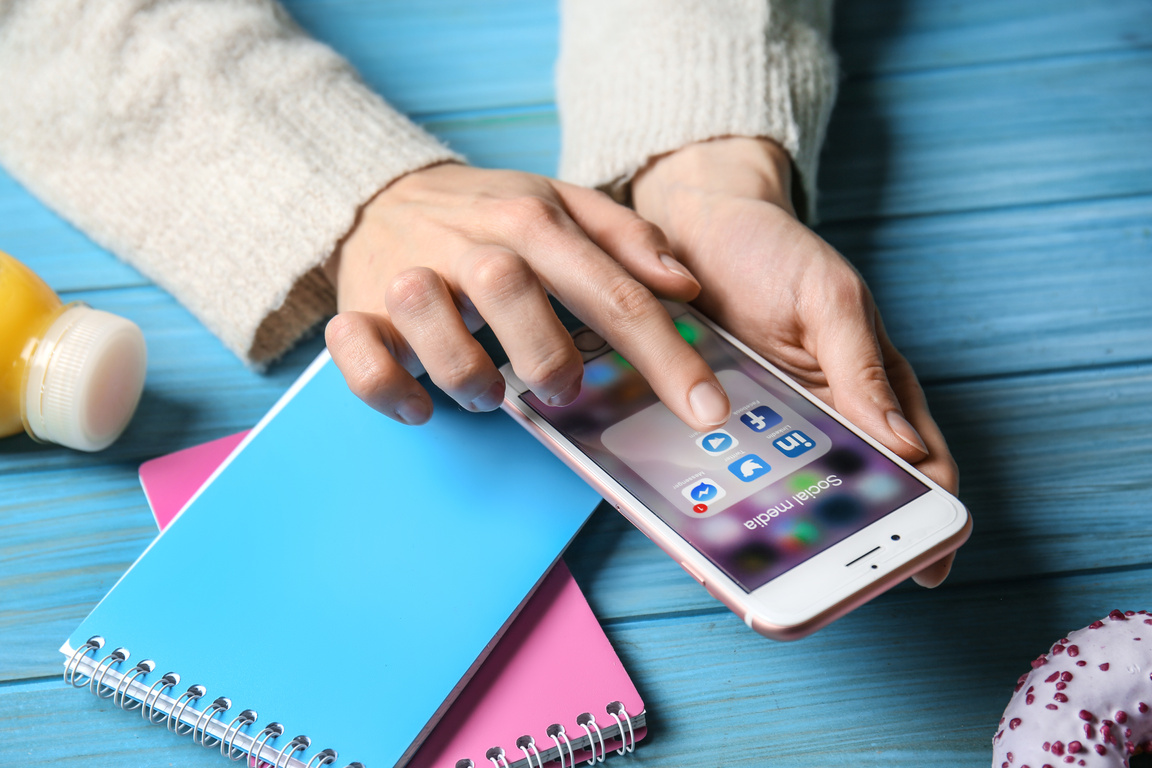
(780, 482)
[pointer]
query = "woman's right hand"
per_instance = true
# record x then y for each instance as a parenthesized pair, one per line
(776, 285)
(443, 250)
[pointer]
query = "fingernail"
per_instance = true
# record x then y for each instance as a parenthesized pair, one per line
(413, 410)
(905, 431)
(491, 398)
(565, 397)
(677, 268)
(709, 403)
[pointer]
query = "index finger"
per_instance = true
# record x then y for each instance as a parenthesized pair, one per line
(598, 290)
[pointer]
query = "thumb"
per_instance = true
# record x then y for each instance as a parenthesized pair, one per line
(934, 575)
(849, 353)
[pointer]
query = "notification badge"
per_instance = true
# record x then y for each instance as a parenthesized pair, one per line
(702, 495)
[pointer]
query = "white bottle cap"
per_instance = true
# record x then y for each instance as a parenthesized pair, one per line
(84, 380)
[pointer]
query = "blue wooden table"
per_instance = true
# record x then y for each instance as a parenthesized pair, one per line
(988, 168)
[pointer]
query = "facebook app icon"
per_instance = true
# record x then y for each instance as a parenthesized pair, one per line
(761, 418)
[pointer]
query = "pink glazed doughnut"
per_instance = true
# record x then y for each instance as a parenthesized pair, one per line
(1086, 702)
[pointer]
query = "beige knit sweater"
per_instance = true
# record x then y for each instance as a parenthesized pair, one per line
(223, 153)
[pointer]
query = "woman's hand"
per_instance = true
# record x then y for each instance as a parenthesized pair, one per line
(725, 206)
(446, 249)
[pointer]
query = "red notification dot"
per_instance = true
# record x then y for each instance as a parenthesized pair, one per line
(700, 509)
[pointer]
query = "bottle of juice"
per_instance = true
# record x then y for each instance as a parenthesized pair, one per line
(69, 374)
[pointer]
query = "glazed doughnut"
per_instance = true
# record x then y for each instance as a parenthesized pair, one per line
(1085, 702)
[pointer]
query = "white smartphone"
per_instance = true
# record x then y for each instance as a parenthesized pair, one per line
(788, 514)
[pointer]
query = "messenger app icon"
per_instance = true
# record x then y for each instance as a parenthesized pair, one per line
(704, 491)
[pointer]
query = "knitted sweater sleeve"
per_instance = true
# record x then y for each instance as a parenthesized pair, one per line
(212, 145)
(640, 78)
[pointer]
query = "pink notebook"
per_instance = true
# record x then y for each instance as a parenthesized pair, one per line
(552, 689)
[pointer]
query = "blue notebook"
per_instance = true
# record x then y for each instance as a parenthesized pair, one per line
(339, 578)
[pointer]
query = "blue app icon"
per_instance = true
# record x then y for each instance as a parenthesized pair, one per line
(704, 491)
(717, 442)
(761, 418)
(794, 443)
(749, 467)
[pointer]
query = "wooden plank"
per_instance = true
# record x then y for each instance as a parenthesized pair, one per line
(903, 681)
(886, 36)
(1057, 471)
(969, 294)
(1012, 134)
(452, 55)
(46, 723)
(67, 537)
(1047, 460)
(1086, 305)
(952, 140)
(1006, 291)
(960, 139)
(1040, 458)
(1055, 466)
(522, 141)
(445, 55)
(979, 138)
(60, 253)
(1024, 289)
(955, 140)
(965, 137)
(916, 678)
(195, 390)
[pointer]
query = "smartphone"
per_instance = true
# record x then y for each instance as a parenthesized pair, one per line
(787, 514)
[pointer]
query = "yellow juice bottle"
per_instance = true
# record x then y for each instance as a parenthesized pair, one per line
(69, 374)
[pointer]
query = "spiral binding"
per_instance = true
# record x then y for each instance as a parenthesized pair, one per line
(180, 715)
(222, 704)
(183, 718)
(564, 749)
(628, 745)
(587, 721)
(557, 734)
(527, 745)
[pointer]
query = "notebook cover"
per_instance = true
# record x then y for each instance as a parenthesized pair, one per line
(528, 681)
(343, 573)
(170, 481)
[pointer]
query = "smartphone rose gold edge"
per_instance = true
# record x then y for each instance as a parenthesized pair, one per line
(844, 607)
(740, 602)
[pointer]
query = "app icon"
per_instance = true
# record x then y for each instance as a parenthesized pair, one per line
(703, 491)
(761, 418)
(794, 443)
(749, 467)
(717, 442)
